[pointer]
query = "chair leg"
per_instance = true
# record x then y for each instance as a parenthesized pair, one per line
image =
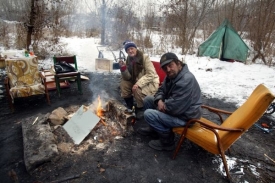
(225, 165)
(10, 103)
(182, 138)
(57, 85)
(6, 81)
(48, 98)
(79, 83)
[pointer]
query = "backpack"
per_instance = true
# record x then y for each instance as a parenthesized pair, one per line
(63, 67)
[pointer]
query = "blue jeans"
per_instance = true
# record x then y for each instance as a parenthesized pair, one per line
(158, 120)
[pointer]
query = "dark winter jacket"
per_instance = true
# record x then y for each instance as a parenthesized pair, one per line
(181, 95)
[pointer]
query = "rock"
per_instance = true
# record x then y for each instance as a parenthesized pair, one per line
(57, 117)
(39, 142)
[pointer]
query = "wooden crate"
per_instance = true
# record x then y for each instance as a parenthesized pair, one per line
(103, 64)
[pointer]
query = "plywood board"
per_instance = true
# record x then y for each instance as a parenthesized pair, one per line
(81, 124)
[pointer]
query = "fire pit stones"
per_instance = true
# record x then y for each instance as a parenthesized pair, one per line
(44, 142)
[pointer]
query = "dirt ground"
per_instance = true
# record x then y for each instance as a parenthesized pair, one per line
(129, 159)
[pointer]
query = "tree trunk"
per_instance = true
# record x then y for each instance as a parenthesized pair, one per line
(103, 21)
(30, 26)
(259, 55)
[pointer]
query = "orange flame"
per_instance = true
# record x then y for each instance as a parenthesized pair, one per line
(99, 107)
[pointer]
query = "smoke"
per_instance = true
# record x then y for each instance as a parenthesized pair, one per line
(100, 86)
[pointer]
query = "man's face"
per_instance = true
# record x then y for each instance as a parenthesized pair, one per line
(132, 51)
(171, 69)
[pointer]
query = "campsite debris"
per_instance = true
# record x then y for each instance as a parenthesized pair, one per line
(159, 180)
(237, 173)
(67, 178)
(35, 120)
(101, 170)
(265, 125)
(269, 158)
(266, 130)
(13, 176)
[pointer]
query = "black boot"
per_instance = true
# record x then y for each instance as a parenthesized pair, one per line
(129, 102)
(139, 113)
(165, 142)
(147, 131)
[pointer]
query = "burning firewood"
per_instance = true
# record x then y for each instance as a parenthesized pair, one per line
(103, 122)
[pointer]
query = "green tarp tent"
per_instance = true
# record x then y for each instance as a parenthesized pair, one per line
(225, 44)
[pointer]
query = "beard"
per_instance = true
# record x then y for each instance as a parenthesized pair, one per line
(171, 75)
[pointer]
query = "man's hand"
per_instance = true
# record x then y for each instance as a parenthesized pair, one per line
(161, 106)
(135, 87)
(121, 63)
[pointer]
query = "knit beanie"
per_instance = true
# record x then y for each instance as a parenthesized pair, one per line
(127, 44)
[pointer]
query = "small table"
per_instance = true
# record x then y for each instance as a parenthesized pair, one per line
(50, 81)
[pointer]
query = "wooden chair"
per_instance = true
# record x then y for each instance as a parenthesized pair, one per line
(24, 80)
(215, 138)
(69, 75)
(159, 71)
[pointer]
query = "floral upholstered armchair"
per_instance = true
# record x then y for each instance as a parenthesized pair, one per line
(24, 80)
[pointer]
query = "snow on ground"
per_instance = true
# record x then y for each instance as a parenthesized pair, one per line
(230, 81)
(233, 82)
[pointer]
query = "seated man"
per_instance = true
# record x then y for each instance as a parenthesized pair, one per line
(177, 100)
(139, 77)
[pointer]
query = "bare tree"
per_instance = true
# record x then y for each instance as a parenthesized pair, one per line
(30, 25)
(183, 17)
(101, 7)
(36, 16)
(261, 28)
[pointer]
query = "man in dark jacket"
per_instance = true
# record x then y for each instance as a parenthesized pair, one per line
(176, 101)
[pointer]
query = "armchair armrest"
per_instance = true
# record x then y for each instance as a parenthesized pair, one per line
(214, 126)
(217, 111)
(43, 79)
(209, 126)
(42, 76)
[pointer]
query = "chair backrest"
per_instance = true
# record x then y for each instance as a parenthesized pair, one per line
(159, 71)
(22, 72)
(246, 115)
(67, 59)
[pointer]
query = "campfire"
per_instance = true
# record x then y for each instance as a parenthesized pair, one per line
(107, 121)
(74, 130)
(100, 112)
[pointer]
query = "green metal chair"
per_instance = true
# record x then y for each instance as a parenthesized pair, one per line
(69, 75)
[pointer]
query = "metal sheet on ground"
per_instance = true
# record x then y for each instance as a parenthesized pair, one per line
(81, 124)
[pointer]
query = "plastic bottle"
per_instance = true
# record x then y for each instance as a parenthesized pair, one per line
(26, 53)
(31, 50)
